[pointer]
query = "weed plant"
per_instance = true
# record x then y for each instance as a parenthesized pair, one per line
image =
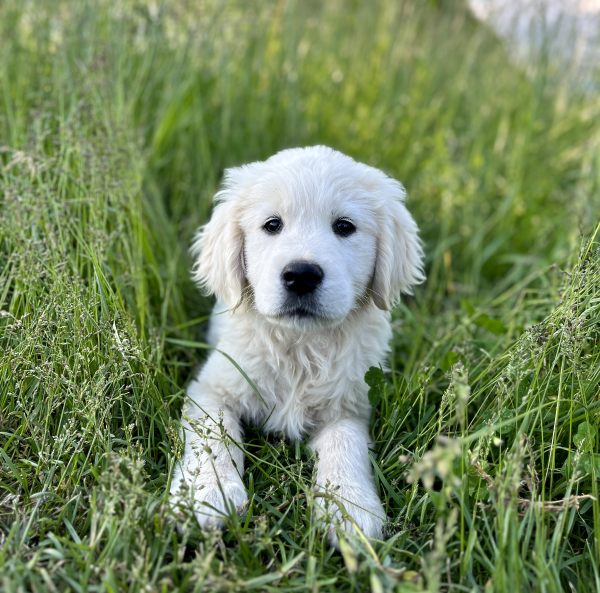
(116, 122)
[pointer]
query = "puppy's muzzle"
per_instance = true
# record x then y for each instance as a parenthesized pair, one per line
(301, 277)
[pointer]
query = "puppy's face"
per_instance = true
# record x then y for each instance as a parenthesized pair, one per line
(308, 236)
(309, 248)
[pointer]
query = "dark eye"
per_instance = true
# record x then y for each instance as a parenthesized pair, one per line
(273, 225)
(343, 227)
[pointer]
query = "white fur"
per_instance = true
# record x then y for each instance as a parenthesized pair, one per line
(309, 371)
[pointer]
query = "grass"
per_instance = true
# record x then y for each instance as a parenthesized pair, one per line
(116, 121)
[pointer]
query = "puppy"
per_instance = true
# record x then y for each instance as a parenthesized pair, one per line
(308, 251)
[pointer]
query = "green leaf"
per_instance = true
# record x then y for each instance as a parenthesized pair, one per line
(416, 381)
(18, 475)
(584, 466)
(260, 581)
(349, 555)
(375, 395)
(493, 325)
(374, 376)
(448, 361)
(585, 438)
(376, 585)
(587, 463)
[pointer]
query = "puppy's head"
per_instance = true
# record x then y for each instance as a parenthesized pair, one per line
(306, 237)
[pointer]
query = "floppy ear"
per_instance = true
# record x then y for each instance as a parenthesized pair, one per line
(218, 251)
(399, 260)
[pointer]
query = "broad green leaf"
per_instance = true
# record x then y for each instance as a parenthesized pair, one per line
(375, 395)
(448, 361)
(585, 437)
(374, 376)
(493, 325)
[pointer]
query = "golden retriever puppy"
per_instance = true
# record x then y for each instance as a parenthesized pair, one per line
(308, 251)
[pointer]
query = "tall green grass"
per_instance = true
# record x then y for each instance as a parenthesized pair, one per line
(116, 122)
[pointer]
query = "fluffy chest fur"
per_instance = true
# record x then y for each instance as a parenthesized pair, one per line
(305, 379)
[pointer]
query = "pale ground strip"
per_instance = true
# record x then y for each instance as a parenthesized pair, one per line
(568, 29)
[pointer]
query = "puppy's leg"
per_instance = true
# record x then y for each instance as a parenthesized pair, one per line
(213, 462)
(344, 468)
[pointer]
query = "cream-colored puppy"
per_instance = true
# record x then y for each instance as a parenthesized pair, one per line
(309, 251)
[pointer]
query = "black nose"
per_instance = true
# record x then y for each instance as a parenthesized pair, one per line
(301, 277)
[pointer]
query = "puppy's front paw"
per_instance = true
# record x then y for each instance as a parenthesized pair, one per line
(361, 508)
(211, 501)
(214, 501)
